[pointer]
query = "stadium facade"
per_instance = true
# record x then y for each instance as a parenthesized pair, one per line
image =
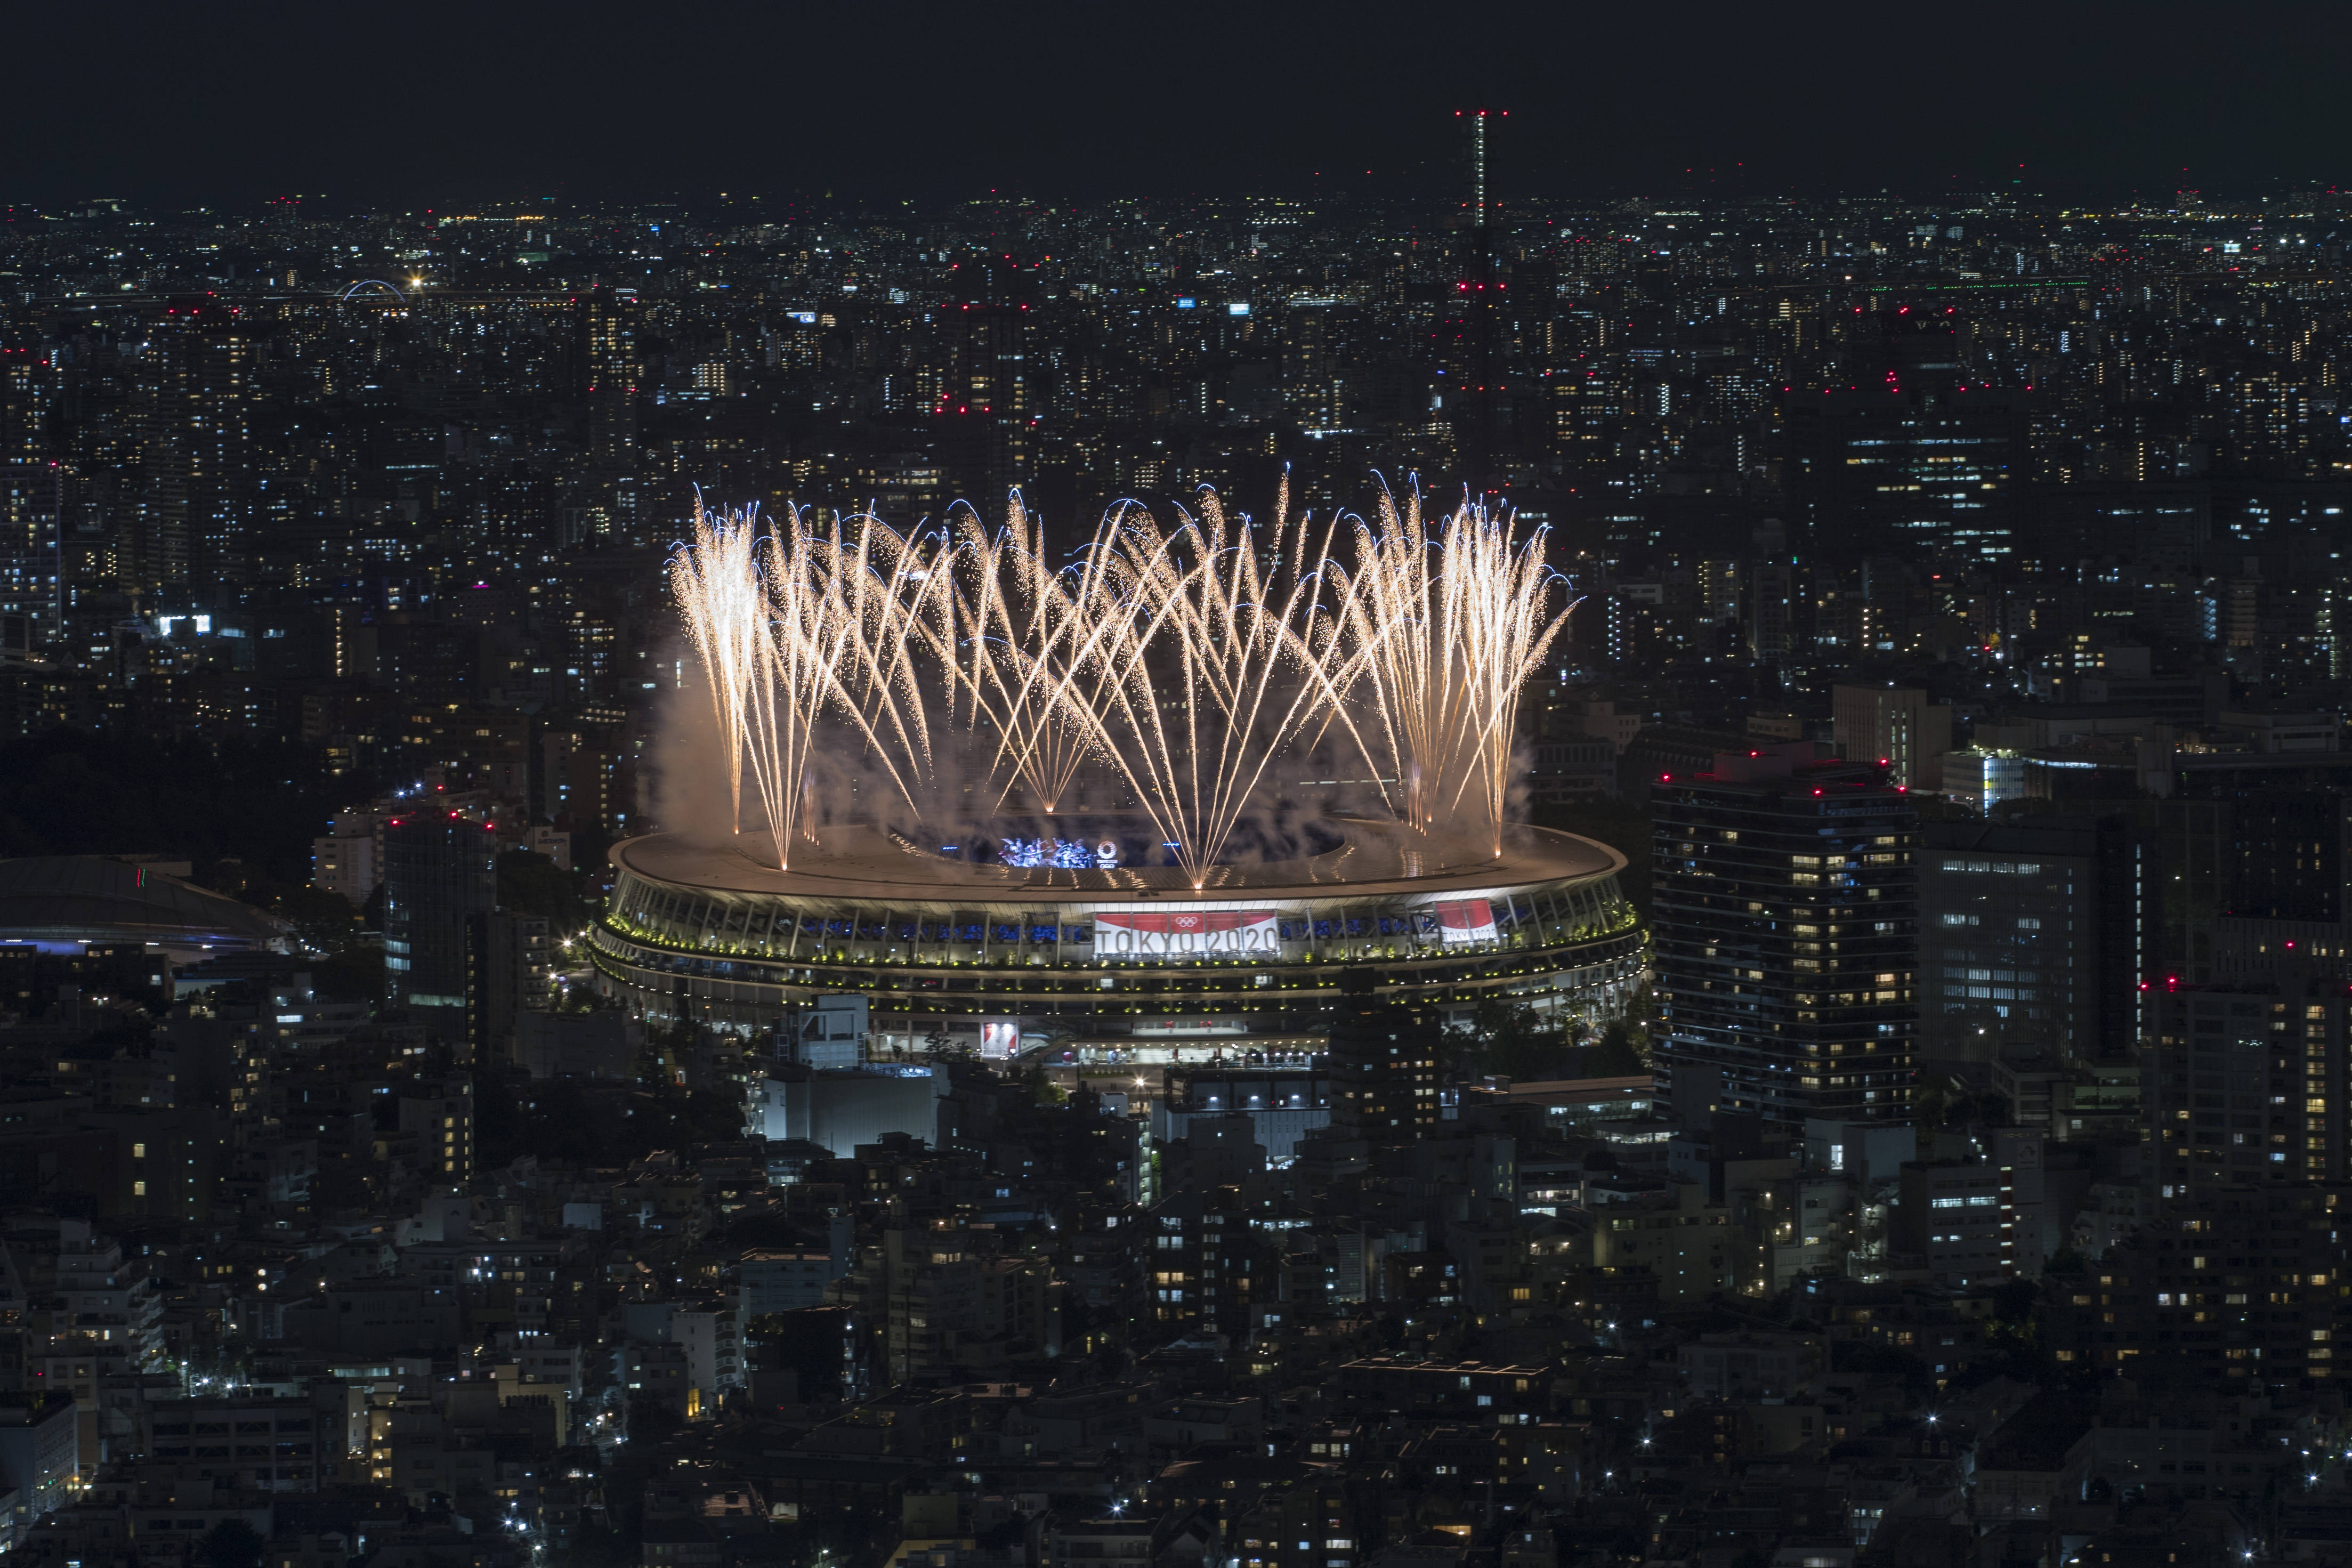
(1103, 960)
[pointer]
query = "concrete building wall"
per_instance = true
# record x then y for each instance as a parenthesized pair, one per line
(839, 1110)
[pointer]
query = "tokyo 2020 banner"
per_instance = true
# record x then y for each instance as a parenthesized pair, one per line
(1465, 920)
(1185, 933)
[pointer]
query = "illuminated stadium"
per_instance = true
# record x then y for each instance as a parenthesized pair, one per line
(858, 678)
(1108, 961)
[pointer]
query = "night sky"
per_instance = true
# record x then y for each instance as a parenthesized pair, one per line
(409, 104)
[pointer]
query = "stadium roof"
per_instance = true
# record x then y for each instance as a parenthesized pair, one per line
(1379, 860)
(89, 897)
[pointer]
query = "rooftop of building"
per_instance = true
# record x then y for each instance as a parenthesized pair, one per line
(1784, 769)
(62, 898)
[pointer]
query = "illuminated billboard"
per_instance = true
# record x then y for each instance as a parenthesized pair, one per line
(1465, 919)
(1186, 934)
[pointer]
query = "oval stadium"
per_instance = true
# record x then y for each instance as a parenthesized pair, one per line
(1072, 943)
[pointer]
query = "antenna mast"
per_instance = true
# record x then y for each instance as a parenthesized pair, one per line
(1478, 164)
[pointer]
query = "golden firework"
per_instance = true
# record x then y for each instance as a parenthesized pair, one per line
(1440, 631)
(1185, 657)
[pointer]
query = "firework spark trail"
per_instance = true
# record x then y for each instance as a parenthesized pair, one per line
(1507, 593)
(1016, 624)
(1442, 634)
(794, 624)
(716, 577)
(1186, 658)
(741, 593)
(1214, 650)
(790, 694)
(885, 602)
(1391, 633)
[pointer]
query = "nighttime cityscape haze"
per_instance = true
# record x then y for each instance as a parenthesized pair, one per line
(1078, 789)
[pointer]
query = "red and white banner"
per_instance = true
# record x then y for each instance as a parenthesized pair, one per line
(1000, 1038)
(1185, 933)
(1465, 920)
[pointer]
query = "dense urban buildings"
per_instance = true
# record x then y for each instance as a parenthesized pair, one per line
(1880, 1097)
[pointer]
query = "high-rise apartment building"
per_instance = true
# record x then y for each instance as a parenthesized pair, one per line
(2035, 935)
(585, 776)
(603, 503)
(2246, 1082)
(1206, 1262)
(1383, 1058)
(1908, 455)
(440, 884)
(196, 400)
(1930, 473)
(348, 859)
(516, 959)
(609, 363)
(440, 1117)
(1786, 931)
(1771, 598)
(1896, 727)
(32, 505)
(2287, 850)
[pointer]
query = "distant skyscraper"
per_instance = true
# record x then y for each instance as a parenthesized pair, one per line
(1383, 1064)
(32, 497)
(610, 365)
(440, 885)
(984, 415)
(2035, 935)
(1463, 338)
(2245, 1083)
(608, 325)
(1771, 598)
(1908, 456)
(196, 404)
(1786, 930)
(1895, 726)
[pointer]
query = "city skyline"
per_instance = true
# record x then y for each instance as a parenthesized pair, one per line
(945, 820)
